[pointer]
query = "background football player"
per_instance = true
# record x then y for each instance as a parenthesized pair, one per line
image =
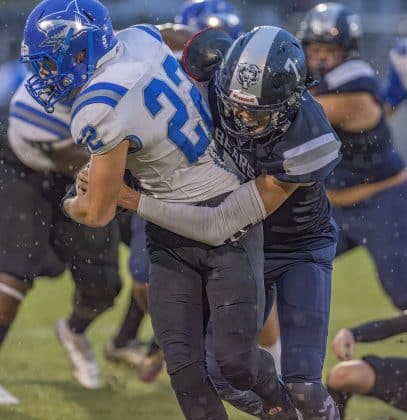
(384, 378)
(39, 160)
(349, 94)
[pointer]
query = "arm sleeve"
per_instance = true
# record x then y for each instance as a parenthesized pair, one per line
(380, 329)
(211, 225)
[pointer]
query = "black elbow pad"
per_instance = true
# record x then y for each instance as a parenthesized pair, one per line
(203, 53)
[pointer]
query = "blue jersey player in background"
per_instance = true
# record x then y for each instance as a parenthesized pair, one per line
(201, 14)
(368, 189)
(269, 128)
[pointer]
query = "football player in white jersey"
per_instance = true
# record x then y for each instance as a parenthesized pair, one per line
(38, 160)
(136, 109)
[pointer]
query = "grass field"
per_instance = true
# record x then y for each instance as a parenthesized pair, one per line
(34, 368)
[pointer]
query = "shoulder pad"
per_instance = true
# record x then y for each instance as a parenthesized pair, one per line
(203, 53)
(351, 76)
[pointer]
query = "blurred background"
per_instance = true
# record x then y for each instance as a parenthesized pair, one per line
(381, 20)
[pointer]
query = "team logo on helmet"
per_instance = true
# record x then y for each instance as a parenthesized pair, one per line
(24, 49)
(57, 25)
(247, 74)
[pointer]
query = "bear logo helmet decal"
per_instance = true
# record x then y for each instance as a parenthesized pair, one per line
(247, 74)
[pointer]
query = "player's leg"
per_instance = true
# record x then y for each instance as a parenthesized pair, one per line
(124, 347)
(346, 378)
(382, 378)
(92, 255)
(25, 251)
(386, 239)
(176, 302)
(12, 293)
(246, 401)
(304, 291)
(236, 296)
(348, 225)
(270, 337)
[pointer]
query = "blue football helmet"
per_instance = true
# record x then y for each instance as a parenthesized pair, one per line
(64, 41)
(201, 14)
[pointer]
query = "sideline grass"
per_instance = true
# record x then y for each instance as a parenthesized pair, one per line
(34, 369)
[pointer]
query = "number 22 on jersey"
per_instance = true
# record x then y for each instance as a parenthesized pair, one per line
(158, 87)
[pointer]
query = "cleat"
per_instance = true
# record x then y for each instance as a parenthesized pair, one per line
(79, 351)
(287, 410)
(131, 355)
(151, 366)
(278, 413)
(341, 398)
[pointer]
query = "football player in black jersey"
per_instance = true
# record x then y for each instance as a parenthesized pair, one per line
(383, 378)
(371, 178)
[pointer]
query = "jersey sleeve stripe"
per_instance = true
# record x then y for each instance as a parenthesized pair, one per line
(312, 155)
(36, 122)
(43, 116)
(151, 30)
(309, 145)
(94, 100)
(120, 90)
(311, 165)
(106, 93)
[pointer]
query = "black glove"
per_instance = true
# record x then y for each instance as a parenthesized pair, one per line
(204, 52)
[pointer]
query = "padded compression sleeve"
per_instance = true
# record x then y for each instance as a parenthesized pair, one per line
(380, 329)
(211, 225)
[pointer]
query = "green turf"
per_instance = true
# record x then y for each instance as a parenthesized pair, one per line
(33, 366)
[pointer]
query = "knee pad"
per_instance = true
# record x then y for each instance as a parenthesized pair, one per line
(313, 400)
(240, 370)
(190, 379)
(195, 393)
(96, 288)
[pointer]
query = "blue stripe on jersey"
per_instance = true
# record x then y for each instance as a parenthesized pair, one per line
(40, 119)
(95, 100)
(39, 125)
(151, 30)
(43, 115)
(105, 93)
(121, 90)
